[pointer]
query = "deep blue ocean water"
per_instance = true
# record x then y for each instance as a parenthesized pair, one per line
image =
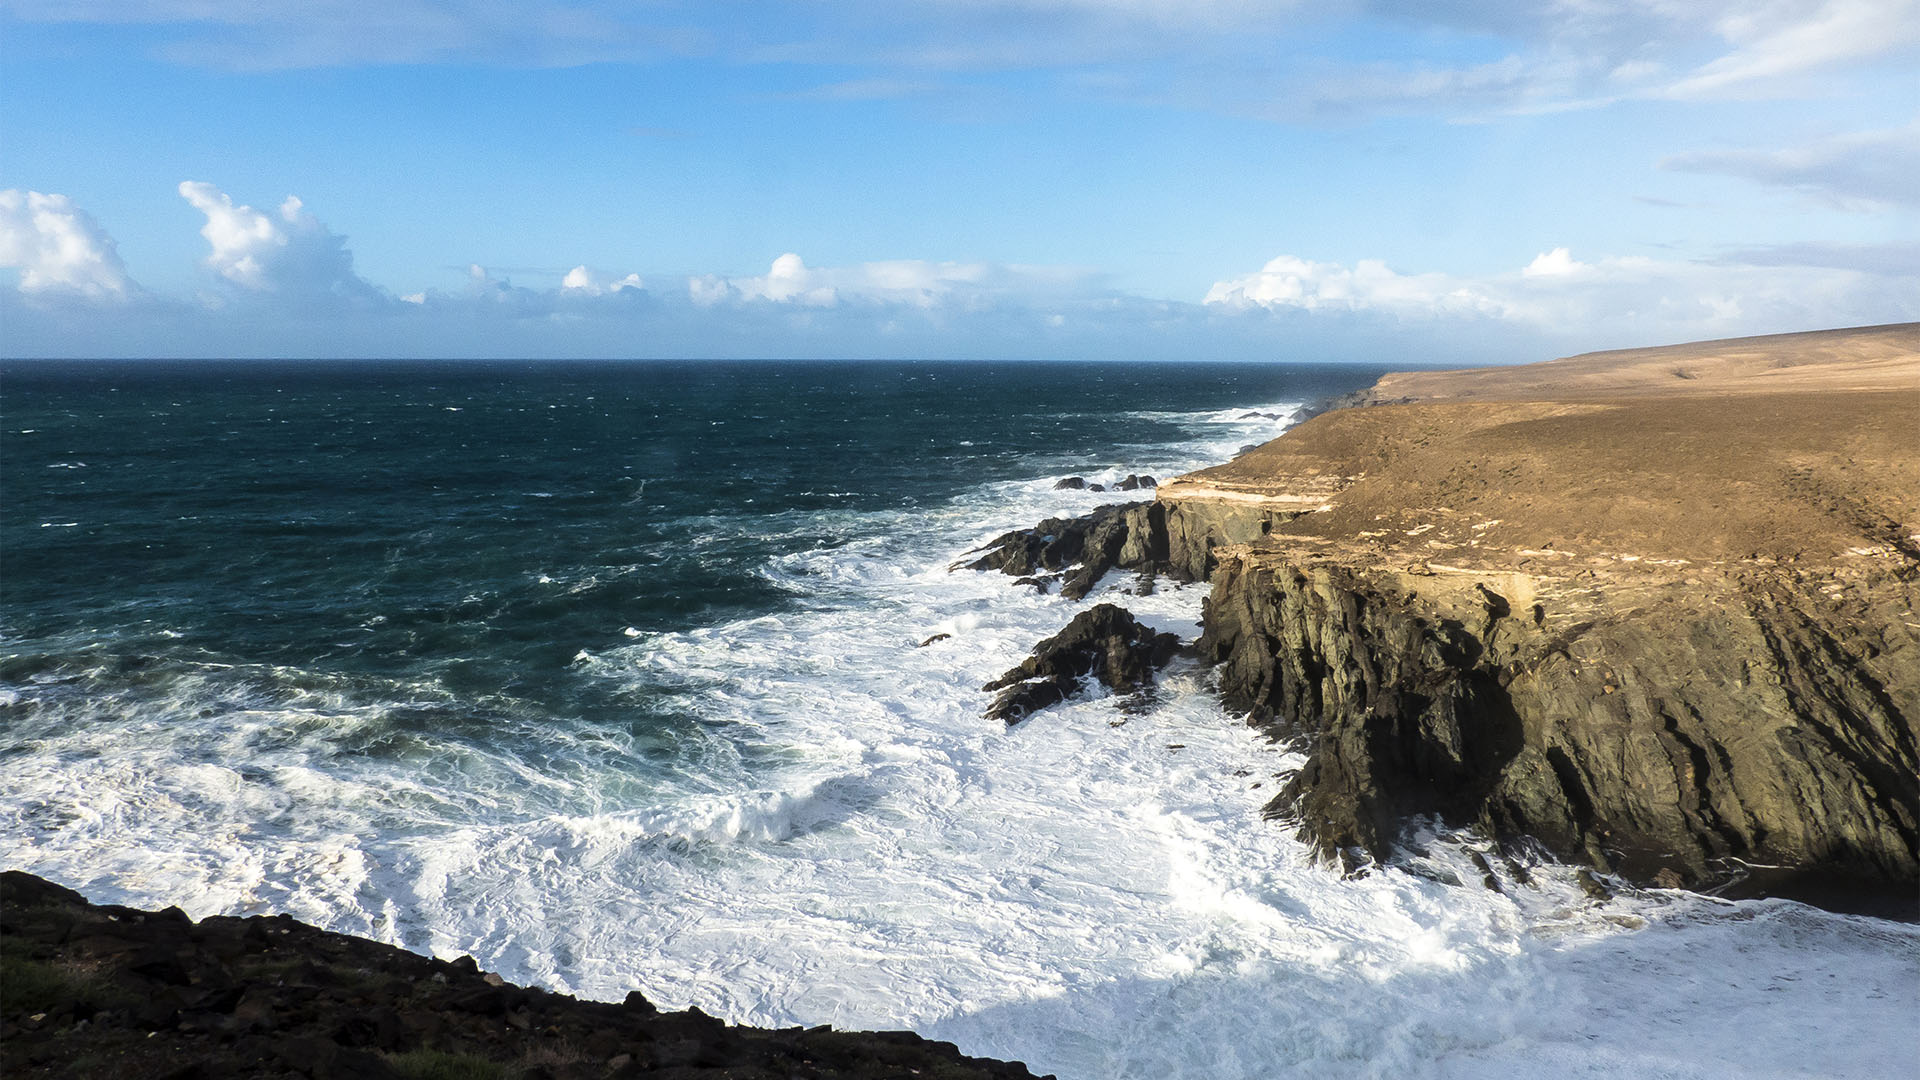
(477, 524)
(610, 675)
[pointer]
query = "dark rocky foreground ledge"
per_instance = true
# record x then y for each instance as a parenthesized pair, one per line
(92, 991)
(1653, 610)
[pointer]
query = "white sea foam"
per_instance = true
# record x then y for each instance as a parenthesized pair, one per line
(845, 840)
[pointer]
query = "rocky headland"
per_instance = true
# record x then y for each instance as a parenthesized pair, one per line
(1653, 609)
(91, 991)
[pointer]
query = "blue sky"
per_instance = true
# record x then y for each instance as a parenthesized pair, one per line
(1126, 179)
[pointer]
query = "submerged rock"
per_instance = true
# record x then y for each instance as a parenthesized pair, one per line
(1104, 641)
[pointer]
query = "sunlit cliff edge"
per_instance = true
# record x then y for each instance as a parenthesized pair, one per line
(1654, 607)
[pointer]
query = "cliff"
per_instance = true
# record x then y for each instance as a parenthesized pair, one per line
(1654, 609)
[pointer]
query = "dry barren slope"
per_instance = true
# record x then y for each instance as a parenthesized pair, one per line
(1793, 447)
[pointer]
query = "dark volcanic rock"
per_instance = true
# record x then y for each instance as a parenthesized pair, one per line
(1127, 535)
(1135, 482)
(1104, 641)
(1668, 731)
(1071, 483)
(82, 996)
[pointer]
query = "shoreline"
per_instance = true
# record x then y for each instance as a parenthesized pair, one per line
(93, 991)
(1201, 532)
(1651, 608)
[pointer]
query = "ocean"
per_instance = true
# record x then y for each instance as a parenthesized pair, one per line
(611, 675)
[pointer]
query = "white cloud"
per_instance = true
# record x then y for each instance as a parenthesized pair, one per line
(1556, 263)
(1562, 296)
(592, 283)
(1780, 41)
(911, 283)
(1878, 167)
(286, 253)
(1369, 285)
(58, 247)
(1587, 53)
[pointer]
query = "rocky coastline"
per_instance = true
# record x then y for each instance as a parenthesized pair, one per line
(96, 991)
(1653, 611)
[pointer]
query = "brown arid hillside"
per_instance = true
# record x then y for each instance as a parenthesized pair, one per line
(1792, 448)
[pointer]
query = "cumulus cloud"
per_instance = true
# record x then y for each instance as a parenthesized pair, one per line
(286, 253)
(1564, 296)
(908, 283)
(58, 247)
(593, 283)
(1369, 285)
(1868, 167)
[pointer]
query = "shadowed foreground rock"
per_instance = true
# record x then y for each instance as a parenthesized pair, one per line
(1103, 641)
(93, 991)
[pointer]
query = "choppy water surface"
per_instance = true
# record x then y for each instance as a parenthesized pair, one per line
(608, 675)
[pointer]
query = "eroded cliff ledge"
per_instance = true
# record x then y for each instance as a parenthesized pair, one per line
(1654, 609)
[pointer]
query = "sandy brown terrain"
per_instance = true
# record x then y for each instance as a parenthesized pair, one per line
(1862, 358)
(1796, 447)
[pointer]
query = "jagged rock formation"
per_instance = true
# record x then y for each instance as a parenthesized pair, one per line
(1655, 609)
(1130, 535)
(1104, 641)
(1167, 536)
(1658, 728)
(113, 993)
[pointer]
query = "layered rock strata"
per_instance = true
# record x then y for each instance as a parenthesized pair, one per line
(1655, 610)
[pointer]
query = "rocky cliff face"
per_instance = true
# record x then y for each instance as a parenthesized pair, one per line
(1664, 728)
(1677, 725)
(1655, 610)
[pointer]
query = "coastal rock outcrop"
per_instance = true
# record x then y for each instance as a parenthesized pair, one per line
(108, 992)
(1104, 642)
(1125, 535)
(1169, 536)
(1660, 623)
(1672, 731)
(1654, 610)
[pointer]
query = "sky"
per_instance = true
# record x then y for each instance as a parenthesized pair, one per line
(1379, 180)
